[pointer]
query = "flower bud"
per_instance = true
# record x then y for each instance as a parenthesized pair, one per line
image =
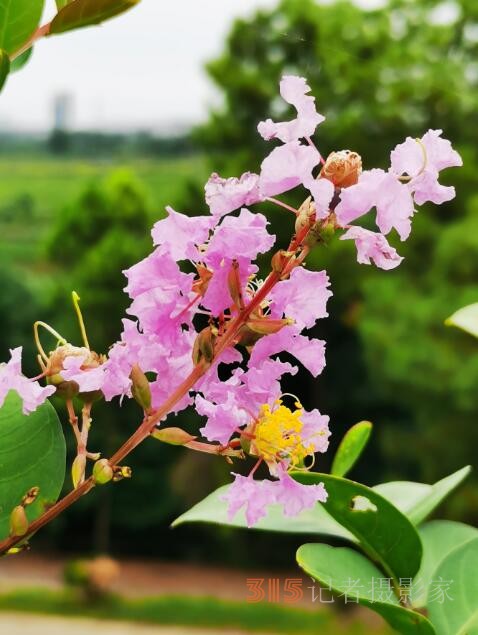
(306, 215)
(201, 284)
(140, 388)
(203, 348)
(343, 168)
(173, 436)
(267, 326)
(234, 285)
(78, 470)
(18, 521)
(31, 496)
(120, 472)
(280, 259)
(102, 472)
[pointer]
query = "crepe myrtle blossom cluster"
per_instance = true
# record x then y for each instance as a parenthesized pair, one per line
(207, 330)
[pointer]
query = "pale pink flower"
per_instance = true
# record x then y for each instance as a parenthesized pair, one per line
(376, 188)
(286, 167)
(296, 497)
(372, 246)
(11, 378)
(226, 195)
(294, 91)
(181, 234)
(315, 430)
(223, 419)
(254, 496)
(322, 191)
(302, 297)
(88, 379)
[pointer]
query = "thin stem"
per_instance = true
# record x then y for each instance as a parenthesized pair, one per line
(280, 203)
(39, 33)
(51, 330)
(81, 322)
(312, 145)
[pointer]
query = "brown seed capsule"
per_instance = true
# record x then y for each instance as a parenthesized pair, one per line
(306, 215)
(343, 168)
(203, 348)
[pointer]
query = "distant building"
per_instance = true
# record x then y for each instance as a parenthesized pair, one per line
(62, 112)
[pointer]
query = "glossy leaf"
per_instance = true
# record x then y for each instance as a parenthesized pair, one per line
(383, 532)
(351, 447)
(18, 20)
(313, 521)
(32, 454)
(4, 67)
(418, 500)
(80, 13)
(465, 319)
(352, 576)
(456, 613)
(439, 538)
(20, 61)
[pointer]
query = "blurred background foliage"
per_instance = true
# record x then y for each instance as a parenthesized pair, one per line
(72, 216)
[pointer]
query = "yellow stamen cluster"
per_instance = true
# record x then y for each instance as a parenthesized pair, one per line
(277, 435)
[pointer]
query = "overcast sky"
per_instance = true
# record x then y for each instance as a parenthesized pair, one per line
(142, 70)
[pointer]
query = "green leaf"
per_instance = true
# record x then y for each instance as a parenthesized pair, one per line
(62, 3)
(418, 500)
(383, 532)
(351, 575)
(4, 67)
(312, 521)
(439, 538)
(465, 319)
(456, 614)
(81, 13)
(20, 61)
(32, 454)
(351, 447)
(18, 21)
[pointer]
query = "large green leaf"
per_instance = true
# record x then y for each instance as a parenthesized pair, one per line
(81, 13)
(61, 3)
(465, 319)
(351, 447)
(383, 532)
(18, 21)
(20, 61)
(4, 67)
(312, 521)
(32, 454)
(354, 577)
(418, 500)
(439, 538)
(453, 598)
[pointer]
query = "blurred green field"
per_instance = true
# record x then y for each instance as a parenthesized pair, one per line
(34, 191)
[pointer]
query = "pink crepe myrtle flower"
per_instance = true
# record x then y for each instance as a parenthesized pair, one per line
(223, 419)
(422, 160)
(296, 497)
(11, 378)
(303, 296)
(181, 234)
(286, 167)
(372, 246)
(412, 178)
(226, 195)
(294, 91)
(309, 351)
(254, 496)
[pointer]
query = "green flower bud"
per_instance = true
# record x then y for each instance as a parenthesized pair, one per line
(173, 436)
(78, 470)
(18, 521)
(102, 472)
(140, 389)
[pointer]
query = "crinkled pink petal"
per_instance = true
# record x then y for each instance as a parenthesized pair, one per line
(226, 195)
(223, 419)
(315, 430)
(286, 167)
(427, 188)
(309, 351)
(294, 91)
(372, 246)
(295, 497)
(180, 234)
(243, 236)
(303, 297)
(88, 379)
(254, 496)
(322, 191)
(261, 384)
(11, 378)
